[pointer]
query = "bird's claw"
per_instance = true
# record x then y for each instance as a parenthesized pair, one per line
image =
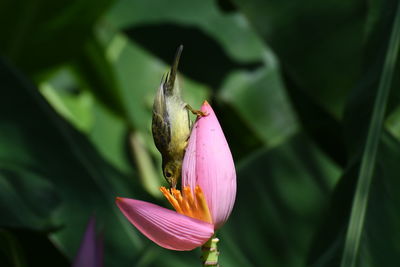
(196, 112)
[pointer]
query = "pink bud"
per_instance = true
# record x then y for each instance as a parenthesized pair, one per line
(208, 163)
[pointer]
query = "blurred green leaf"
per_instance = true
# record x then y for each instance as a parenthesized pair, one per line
(96, 74)
(380, 241)
(85, 183)
(21, 247)
(319, 44)
(360, 202)
(313, 44)
(327, 249)
(224, 28)
(109, 135)
(37, 35)
(106, 130)
(260, 99)
(282, 194)
(10, 250)
(361, 98)
(325, 130)
(393, 123)
(26, 199)
(148, 174)
(76, 109)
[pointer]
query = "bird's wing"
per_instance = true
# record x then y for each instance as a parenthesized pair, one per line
(161, 126)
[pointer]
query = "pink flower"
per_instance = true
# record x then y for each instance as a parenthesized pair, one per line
(207, 198)
(90, 253)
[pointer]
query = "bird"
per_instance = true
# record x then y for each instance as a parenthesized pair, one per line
(171, 124)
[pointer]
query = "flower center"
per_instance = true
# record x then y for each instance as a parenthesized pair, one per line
(194, 206)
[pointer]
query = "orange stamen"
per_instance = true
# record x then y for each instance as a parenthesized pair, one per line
(171, 199)
(192, 205)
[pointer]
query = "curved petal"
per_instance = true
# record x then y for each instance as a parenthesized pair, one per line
(165, 227)
(208, 163)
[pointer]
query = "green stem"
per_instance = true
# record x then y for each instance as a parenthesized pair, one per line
(210, 252)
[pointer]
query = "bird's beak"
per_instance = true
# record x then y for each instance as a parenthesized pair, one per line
(173, 185)
(174, 69)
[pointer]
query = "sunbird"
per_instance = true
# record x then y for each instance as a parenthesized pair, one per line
(171, 124)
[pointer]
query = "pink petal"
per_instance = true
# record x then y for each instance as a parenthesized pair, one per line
(165, 227)
(189, 161)
(208, 163)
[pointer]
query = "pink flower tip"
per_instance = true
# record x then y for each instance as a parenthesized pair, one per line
(208, 163)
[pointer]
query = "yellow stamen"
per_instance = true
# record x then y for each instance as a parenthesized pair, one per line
(171, 199)
(194, 206)
(188, 195)
(201, 202)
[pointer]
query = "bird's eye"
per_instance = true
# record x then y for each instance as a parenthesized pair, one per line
(168, 174)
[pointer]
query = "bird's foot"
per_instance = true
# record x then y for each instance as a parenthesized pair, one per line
(196, 111)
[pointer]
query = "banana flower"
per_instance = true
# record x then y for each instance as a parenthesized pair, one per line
(207, 196)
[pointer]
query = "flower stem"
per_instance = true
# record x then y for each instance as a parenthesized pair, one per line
(210, 252)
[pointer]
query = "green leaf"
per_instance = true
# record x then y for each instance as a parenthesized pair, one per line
(38, 35)
(224, 28)
(38, 138)
(74, 108)
(106, 130)
(319, 44)
(324, 128)
(26, 199)
(97, 75)
(328, 245)
(360, 202)
(393, 123)
(379, 241)
(259, 98)
(281, 197)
